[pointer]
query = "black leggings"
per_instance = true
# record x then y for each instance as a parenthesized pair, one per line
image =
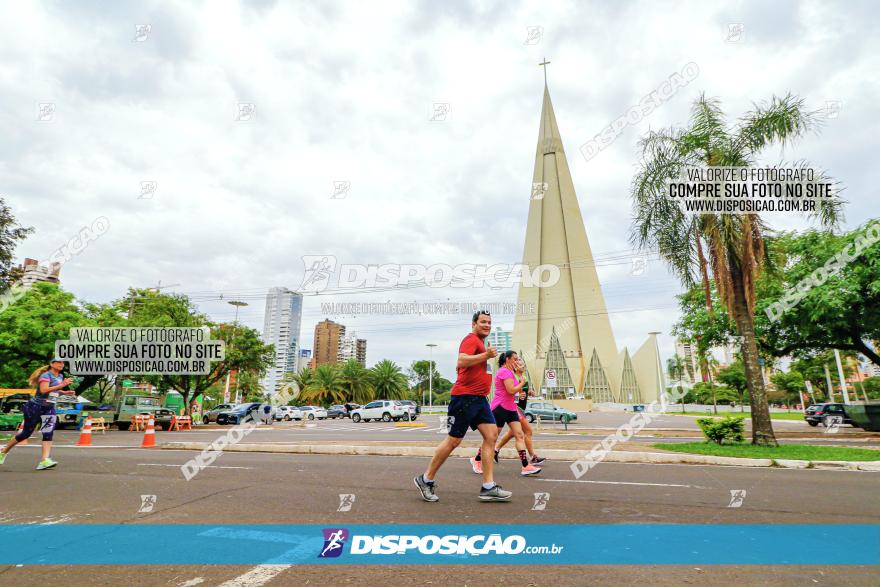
(34, 414)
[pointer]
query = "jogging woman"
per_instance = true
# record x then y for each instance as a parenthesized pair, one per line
(522, 402)
(504, 408)
(47, 382)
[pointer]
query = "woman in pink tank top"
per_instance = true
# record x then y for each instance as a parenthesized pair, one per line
(504, 409)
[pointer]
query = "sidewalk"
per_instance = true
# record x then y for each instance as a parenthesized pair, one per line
(556, 450)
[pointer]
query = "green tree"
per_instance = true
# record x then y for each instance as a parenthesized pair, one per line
(733, 243)
(388, 380)
(421, 379)
(442, 398)
(11, 232)
(790, 385)
(841, 312)
(734, 377)
(249, 386)
(812, 368)
(325, 388)
(871, 385)
(300, 380)
(676, 367)
(245, 351)
(356, 382)
(704, 393)
(30, 327)
(101, 392)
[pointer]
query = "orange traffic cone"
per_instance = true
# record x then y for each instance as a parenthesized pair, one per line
(17, 432)
(149, 435)
(85, 435)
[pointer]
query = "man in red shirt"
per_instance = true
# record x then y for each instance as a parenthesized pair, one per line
(469, 408)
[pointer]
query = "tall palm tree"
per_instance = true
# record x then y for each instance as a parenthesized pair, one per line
(293, 384)
(731, 246)
(675, 366)
(325, 387)
(303, 379)
(389, 382)
(356, 382)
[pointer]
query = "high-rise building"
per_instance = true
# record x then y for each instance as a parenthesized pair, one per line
(688, 352)
(568, 344)
(281, 325)
(32, 272)
(352, 347)
(328, 338)
(500, 339)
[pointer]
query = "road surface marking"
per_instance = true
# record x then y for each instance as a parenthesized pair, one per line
(178, 466)
(622, 483)
(54, 446)
(259, 575)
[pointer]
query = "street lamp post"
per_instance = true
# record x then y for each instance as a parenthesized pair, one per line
(431, 346)
(238, 304)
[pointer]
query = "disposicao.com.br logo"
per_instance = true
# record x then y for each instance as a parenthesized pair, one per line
(320, 271)
(394, 544)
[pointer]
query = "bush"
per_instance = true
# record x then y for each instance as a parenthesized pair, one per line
(717, 430)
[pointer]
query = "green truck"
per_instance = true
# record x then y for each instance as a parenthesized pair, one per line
(10, 410)
(132, 404)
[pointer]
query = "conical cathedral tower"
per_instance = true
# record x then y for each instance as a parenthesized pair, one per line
(573, 308)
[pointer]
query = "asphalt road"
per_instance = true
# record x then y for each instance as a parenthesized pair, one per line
(104, 485)
(591, 428)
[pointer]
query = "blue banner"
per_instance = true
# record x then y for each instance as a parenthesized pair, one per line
(375, 544)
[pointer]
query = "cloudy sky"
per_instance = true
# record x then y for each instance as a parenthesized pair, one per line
(345, 92)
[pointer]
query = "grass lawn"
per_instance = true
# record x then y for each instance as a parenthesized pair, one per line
(795, 415)
(801, 452)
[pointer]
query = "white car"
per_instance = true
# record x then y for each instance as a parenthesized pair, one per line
(288, 413)
(385, 410)
(312, 412)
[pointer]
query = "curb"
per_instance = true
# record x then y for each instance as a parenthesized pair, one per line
(556, 454)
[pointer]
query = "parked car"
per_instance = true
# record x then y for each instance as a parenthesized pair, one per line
(548, 411)
(825, 414)
(349, 408)
(336, 412)
(385, 410)
(238, 414)
(409, 402)
(288, 413)
(211, 415)
(312, 412)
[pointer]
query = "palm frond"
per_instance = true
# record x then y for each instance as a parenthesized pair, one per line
(781, 121)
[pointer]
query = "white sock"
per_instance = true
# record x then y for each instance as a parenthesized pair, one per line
(488, 485)
(425, 477)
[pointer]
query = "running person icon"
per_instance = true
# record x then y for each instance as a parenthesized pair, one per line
(469, 408)
(48, 383)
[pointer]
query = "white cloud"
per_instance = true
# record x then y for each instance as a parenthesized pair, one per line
(343, 91)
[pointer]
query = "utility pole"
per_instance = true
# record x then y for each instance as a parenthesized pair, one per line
(238, 304)
(840, 374)
(431, 346)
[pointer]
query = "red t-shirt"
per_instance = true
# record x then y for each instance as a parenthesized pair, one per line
(472, 380)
